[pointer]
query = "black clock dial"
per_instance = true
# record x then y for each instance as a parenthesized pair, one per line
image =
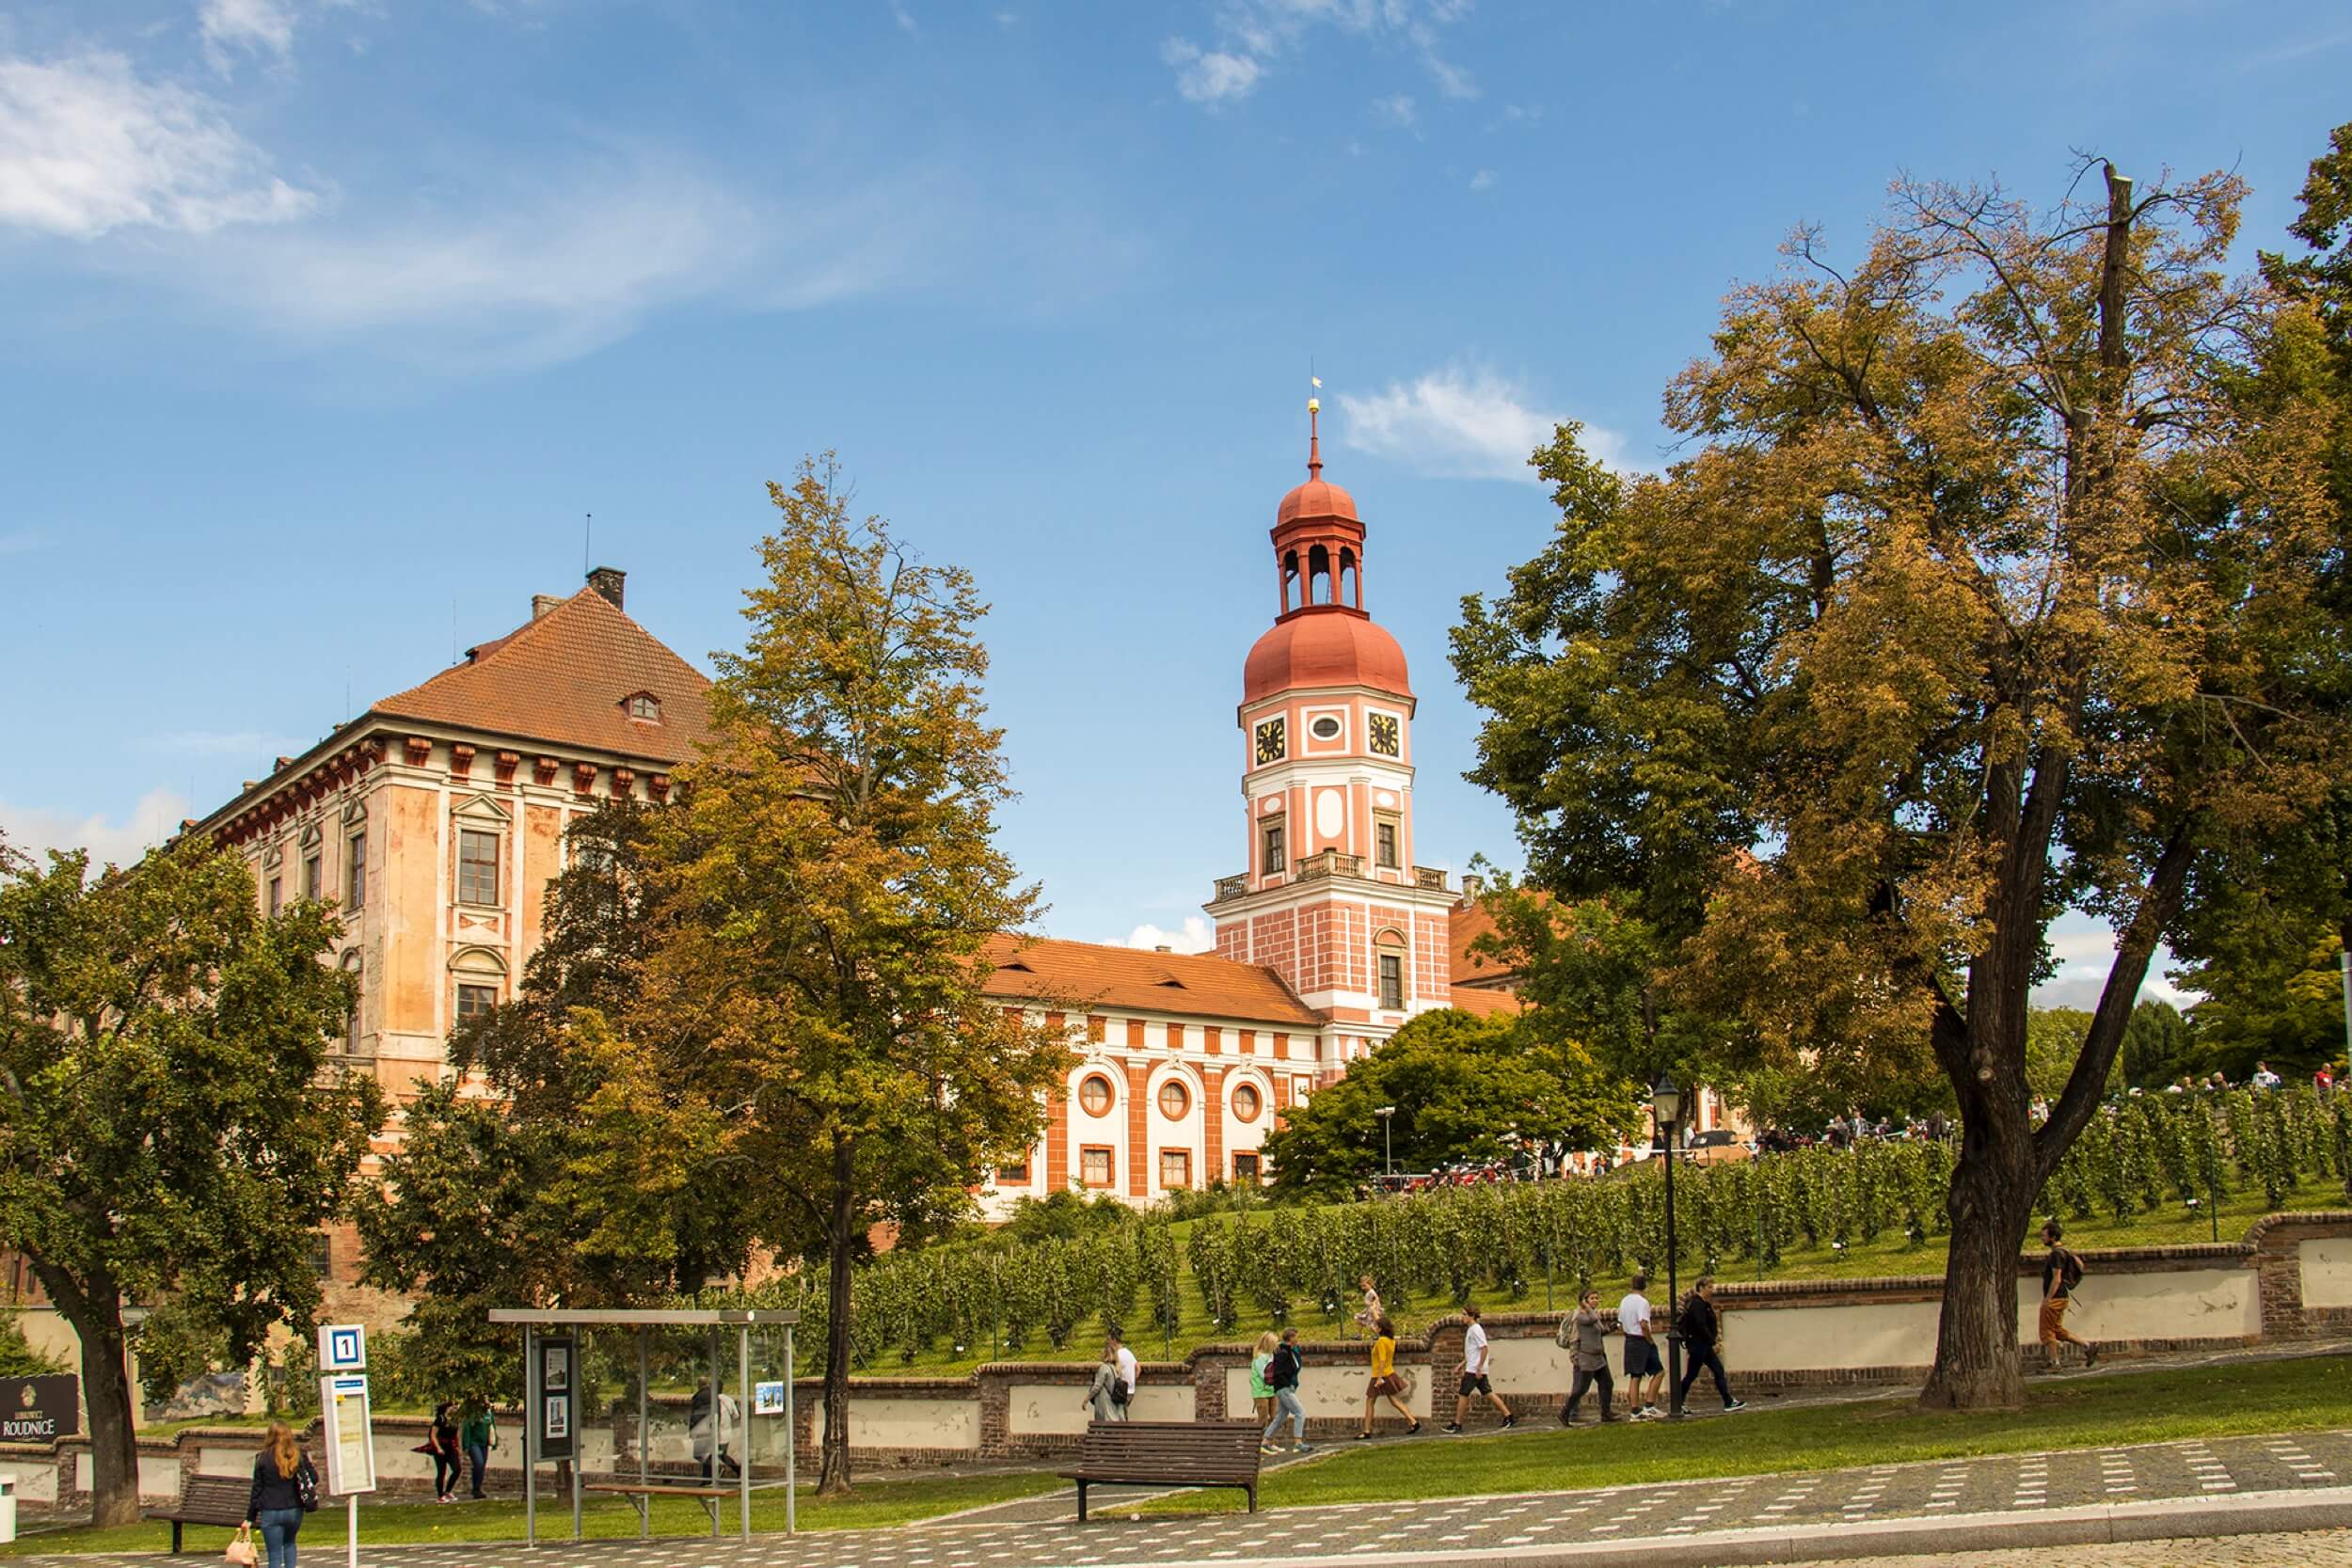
(1383, 730)
(1270, 742)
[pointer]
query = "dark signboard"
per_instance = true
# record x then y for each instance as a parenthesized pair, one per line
(40, 1409)
(556, 1394)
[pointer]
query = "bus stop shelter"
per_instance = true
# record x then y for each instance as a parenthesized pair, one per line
(551, 1383)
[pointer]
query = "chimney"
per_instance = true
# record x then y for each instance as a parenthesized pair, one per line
(607, 581)
(542, 603)
(1472, 885)
(1162, 948)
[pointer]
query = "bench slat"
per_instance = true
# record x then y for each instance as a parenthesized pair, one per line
(1167, 1453)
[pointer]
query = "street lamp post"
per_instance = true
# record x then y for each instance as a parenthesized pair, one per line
(1387, 1144)
(1665, 1104)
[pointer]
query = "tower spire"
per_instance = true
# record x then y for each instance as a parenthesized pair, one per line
(1314, 437)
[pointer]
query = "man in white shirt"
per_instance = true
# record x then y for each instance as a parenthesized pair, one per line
(1113, 1383)
(1476, 1361)
(1641, 1352)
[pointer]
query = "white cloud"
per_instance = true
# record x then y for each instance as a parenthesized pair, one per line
(156, 818)
(1197, 936)
(905, 20)
(1483, 180)
(2085, 955)
(1396, 109)
(1210, 77)
(1461, 423)
(86, 147)
(1252, 35)
(256, 744)
(261, 27)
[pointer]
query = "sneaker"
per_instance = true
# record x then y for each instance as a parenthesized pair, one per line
(1611, 1420)
(1510, 1421)
(1451, 1426)
(1364, 1437)
(1735, 1404)
(2090, 1356)
(1303, 1448)
(1268, 1447)
(1566, 1419)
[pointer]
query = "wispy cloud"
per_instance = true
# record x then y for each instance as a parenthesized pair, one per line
(87, 147)
(1396, 109)
(1460, 422)
(35, 829)
(1483, 180)
(1253, 35)
(257, 744)
(1197, 936)
(2287, 51)
(236, 26)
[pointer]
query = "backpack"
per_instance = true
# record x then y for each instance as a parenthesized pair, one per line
(1120, 1392)
(2070, 1269)
(1566, 1336)
(305, 1485)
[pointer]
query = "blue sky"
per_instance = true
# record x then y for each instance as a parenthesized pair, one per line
(327, 322)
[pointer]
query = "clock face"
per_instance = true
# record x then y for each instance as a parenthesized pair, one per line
(1383, 731)
(1270, 742)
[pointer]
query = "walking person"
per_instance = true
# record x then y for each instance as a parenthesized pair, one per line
(441, 1443)
(1477, 1361)
(1281, 1375)
(1641, 1352)
(1385, 1383)
(1701, 1327)
(1368, 1316)
(281, 1475)
(1114, 1384)
(2062, 1271)
(710, 1427)
(1583, 1333)
(479, 1435)
(1260, 1390)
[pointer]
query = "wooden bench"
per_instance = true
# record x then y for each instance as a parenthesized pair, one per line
(206, 1500)
(641, 1495)
(1167, 1453)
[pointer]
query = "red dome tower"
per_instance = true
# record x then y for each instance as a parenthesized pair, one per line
(1332, 899)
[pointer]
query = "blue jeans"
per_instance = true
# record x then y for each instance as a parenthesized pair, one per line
(478, 1455)
(1287, 1408)
(278, 1528)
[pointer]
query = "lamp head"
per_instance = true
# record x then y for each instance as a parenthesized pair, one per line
(1665, 1100)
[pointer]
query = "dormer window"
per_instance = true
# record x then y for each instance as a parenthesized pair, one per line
(643, 706)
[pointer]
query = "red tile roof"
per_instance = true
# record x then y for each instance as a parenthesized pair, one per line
(1091, 974)
(564, 679)
(1480, 1003)
(1467, 924)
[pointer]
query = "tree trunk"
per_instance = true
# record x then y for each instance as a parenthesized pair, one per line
(106, 1389)
(833, 1480)
(1978, 1365)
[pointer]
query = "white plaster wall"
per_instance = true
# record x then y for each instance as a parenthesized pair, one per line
(158, 1476)
(36, 1484)
(46, 1330)
(1339, 1391)
(1531, 1364)
(2327, 1262)
(1187, 1132)
(1813, 1338)
(1039, 1409)
(2177, 1303)
(911, 1422)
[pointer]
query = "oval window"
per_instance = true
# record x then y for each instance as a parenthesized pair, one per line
(1245, 1102)
(1094, 1096)
(1174, 1102)
(1324, 728)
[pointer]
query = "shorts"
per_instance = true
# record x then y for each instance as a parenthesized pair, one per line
(1475, 1382)
(2053, 1316)
(1391, 1386)
(1641, 1358)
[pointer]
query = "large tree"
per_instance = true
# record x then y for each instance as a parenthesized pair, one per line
(167, 1135)
(1464, 1087)
(825, 890)
(1979, 593)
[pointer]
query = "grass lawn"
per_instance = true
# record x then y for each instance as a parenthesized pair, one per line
(876, 1503)
(1888, 1255)
(2068, 1413)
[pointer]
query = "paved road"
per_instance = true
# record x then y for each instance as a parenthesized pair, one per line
(2333, 1547)
(2315, 1464)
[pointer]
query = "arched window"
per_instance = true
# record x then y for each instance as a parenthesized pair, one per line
(1318, 575)
(1387, 951)
(1351, 586)
(352, 966)
(1291, 599)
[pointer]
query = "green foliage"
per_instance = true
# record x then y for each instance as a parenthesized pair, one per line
(18, 1358)
(168, 1134)
(1460, 1085)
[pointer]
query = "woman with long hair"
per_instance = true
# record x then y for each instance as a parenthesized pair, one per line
(276, 1504)
(441, 1443)
(1385, 1383)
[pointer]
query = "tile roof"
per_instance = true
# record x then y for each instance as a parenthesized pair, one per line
(561, 679)
(1479, 1002)
(1467, 924)
(1097, 974)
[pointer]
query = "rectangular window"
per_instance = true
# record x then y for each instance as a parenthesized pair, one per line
(1392, 980)
(311, 887)
(473, 1001)
(1095, 1167)
(1175, 1167)
(1013, 1175)
(477, 868)
(276, 893)
(322, 1255)
(356, 872)
(1246, 1168)
(1384, 845)
(1270, 839)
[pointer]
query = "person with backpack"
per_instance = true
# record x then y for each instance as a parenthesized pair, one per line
(711, 1426)
(1701, 1327)
(2061, 1271)
(1584, 1335)
(1281, 1375)
(285, 1487)
(1113, 1384)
